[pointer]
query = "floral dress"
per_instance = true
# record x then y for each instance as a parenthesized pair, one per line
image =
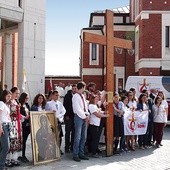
(15, 132)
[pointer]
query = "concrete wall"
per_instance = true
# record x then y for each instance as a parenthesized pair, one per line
(31, 37)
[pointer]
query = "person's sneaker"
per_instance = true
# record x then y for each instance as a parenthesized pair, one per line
(141, 147)
(146, 147)
(157, 145)
(160, 144)
(83, 157)
(76, 158)
(121, 150)
(95, 155)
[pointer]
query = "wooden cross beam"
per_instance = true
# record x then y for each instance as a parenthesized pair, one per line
(110, 42)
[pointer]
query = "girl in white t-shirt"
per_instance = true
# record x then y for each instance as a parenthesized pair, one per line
(159, 119)
(5, 122)
(95, 116)
(164, 102)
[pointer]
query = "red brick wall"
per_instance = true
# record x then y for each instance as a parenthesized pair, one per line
(150, 36)
(149, 72)
(155, 5)
(99, 80)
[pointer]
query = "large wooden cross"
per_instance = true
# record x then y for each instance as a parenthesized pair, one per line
(110, 42)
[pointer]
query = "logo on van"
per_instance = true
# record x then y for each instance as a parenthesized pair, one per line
(143, 85)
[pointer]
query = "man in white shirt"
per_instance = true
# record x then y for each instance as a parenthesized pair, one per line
(58, 108)
(81, 118)
(61, 92)
(68, 87)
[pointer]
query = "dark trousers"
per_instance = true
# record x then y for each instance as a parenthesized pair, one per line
(158, 131)
(142, 140)
(150, 132)
(94, 133)
(69, 131)
(4, 145)
(25, 133)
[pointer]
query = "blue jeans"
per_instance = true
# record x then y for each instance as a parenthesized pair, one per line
(79, 136)
(4, 145)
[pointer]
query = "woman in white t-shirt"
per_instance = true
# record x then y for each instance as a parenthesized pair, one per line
(164, 102)
(159, 119)
(95, 116)
(5, 122)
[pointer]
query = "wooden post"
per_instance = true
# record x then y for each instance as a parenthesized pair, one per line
(109, 81)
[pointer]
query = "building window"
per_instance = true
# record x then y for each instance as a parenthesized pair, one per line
(167, 36)
(94, 51)
(94, 54)
(19, 3)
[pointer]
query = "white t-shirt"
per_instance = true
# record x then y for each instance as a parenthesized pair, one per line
(94, 120)
(132, 104)
(5, 112)
(40, 108)
(145, 107)
(165, 103)
(159, 114)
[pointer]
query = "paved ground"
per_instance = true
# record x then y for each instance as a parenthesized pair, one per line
(149, 159)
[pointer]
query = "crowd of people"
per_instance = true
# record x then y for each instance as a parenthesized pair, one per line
(83, 111)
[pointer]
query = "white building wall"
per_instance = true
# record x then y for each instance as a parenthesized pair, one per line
(31, 37)
(12, 3)
(11, 11)
(7, 69)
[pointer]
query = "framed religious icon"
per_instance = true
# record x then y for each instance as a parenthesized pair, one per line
(44, 137)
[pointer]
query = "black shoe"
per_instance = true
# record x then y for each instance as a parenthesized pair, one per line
(67, 151)
(23, 159)
(98, 150)
(61, 152)
(157, 145)
(83, 157)
(95, 155)
(77, 159)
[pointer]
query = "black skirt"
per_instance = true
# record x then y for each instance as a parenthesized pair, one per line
(118, 126)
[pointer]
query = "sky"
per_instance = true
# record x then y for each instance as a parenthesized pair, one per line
(64, 21)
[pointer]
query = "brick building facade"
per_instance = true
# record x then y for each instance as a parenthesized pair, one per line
(147, 24)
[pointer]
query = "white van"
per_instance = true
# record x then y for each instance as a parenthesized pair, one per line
(161, 83)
